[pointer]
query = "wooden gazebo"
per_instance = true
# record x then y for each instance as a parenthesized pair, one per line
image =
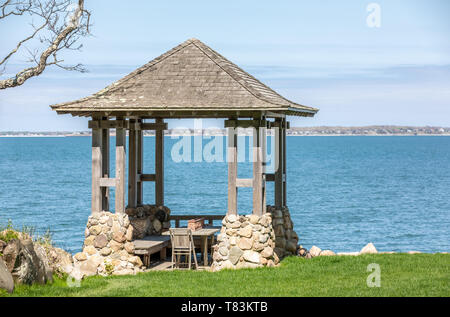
(189, 81)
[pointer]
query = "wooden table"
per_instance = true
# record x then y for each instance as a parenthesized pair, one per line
(204, 233)
(149, 245)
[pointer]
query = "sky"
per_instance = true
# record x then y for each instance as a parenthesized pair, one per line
(358, 65)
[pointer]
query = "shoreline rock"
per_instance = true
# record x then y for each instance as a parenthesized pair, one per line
(368, 249)
(6, 279)
(28, 262)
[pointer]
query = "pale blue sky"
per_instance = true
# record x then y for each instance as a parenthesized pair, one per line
(318, 53)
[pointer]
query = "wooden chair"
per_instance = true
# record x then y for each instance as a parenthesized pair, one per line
(182, 244)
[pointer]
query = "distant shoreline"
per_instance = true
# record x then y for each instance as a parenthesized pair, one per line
(178, 135)
(295, 131)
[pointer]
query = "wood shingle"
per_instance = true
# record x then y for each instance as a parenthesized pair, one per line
(190, 80)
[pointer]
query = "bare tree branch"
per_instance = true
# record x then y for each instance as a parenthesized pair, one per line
(10, 7)
(63, 29)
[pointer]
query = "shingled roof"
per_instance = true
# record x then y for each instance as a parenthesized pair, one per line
(189, 80)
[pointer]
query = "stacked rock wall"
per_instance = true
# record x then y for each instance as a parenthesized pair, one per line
(245, 242)
(148, 220)
(108, 246)
(286, 239)
(249, 241)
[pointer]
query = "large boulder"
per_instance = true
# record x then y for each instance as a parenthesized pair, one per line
(368, 249)
(6, 279)
(10, 253)
(41, 252)
(314, 251)
(2, 245)
(25, 265)
(61, 262)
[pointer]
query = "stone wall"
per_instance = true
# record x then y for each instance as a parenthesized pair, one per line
(148, 220)
(108, 247)
(286, 238)
(249, 241)
(245, 242)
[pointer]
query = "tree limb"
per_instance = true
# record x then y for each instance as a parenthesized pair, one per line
(61, 36)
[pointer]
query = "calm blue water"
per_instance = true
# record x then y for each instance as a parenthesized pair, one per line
(342, 191)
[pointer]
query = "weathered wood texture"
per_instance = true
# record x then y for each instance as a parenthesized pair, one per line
(120, 169)
(232, 171)
(258, 171)
(132, 168)
(96, 203)
(159, 164)
(105, 166)
(285, 127)
(279, 145)
(140, 166)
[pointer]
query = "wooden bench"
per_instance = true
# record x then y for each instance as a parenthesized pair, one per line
(151, 245)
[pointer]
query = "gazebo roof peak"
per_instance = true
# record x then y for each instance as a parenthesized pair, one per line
(190, 80)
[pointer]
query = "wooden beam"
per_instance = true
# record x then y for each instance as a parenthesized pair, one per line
(107, 124)
(189, 217)
(132, 168)
(140, 163)
(107, 182)
(272, 114)
(146, 177)
(105, 165)
(279, 124)
(244, 182)
(258, 171)
(245, 123)
(263, 163)
(278, 187)
(154, 126)
(232, 171)
(159, 165)
(120, 170)
(285, 127)
(132, 124)
(96, 203)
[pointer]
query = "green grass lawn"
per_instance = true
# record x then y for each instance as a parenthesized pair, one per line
(401, 275)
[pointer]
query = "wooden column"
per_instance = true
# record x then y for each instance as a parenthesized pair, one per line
(96, 204)
(258, 171)
(132, 165)
(279, 163)
(120, 168)
(140, 161)
(285, 126)
(159, 164)
(232, 171)
(105, 166)
(264, 161)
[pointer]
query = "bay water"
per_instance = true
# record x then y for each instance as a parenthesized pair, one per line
(342, 191)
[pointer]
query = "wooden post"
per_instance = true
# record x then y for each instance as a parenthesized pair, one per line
(279, 163)
(120, 169)
(284, 162)
(132, 166)
(96, 204)
(159, 165)
(232, 171)
(258, 171)
(140, 161)
(263, 162)
(105, 166)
